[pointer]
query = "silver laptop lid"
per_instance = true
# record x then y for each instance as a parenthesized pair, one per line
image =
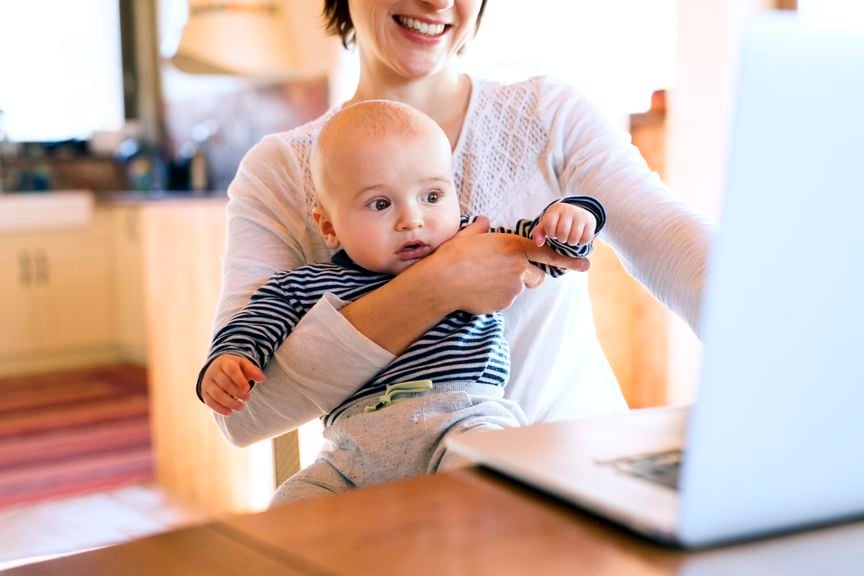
(774, 438)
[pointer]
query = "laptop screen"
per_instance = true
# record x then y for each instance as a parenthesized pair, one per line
(778, 414)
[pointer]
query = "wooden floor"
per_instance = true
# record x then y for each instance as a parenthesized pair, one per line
(33, 532)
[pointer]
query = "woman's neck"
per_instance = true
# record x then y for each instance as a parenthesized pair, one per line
(443, 97)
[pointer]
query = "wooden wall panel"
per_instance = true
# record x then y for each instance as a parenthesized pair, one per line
(183, 244)
(631, 325)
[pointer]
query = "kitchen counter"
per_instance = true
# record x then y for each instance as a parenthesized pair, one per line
(68, 209)
(134, 198)
(21, 211)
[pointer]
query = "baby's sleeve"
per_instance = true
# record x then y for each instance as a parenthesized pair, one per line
(257, 329)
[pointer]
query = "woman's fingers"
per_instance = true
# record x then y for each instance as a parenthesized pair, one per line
(580, 264)
(545, 255)
(533, 277)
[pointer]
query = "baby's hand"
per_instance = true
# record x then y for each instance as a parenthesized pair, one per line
(566, 224)
(227, 382)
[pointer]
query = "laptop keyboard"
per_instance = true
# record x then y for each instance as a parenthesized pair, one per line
(658, 467)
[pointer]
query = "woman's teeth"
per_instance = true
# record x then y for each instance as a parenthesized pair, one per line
(422, 27)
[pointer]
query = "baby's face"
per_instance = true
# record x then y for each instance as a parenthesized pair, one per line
(391, 199)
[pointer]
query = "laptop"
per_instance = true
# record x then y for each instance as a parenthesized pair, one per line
(772, 442)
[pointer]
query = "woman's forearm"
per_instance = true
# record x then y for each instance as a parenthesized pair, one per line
(336, 348)
(400, 312)
(323, 362)
(661, 241)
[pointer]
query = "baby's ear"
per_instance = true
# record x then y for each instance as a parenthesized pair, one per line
(325, 226)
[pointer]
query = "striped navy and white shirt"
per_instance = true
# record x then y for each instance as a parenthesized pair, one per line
(463, 347)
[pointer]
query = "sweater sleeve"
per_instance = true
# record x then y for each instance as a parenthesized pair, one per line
(268, 230)
(661, 241)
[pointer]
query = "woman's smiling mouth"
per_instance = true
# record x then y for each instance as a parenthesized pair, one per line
(424, 28)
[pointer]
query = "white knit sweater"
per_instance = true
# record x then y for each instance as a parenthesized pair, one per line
(522, 146)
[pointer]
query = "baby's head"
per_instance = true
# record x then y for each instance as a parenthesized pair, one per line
(383, 176)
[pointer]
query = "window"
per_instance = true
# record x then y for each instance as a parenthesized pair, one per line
(617, 52)
(61, 68)
(835, 13)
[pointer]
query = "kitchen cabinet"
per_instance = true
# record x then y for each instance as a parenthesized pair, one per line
(56, 296)
(17, 302)
(127, 283)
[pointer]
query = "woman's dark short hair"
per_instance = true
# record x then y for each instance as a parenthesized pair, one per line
(338, 19)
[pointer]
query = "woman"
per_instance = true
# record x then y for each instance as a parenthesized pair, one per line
(516, 148)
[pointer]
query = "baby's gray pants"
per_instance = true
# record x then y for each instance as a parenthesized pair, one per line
(401, 440)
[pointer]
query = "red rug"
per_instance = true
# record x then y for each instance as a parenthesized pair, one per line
(73, 432)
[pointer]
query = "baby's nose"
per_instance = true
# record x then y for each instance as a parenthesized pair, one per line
(410, 218)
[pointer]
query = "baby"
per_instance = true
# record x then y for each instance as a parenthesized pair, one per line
(385, 199)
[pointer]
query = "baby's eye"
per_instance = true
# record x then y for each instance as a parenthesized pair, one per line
(433, 197)
(379, 204)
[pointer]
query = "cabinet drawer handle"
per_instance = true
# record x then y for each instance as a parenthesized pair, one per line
(41, 267)
(25, 268)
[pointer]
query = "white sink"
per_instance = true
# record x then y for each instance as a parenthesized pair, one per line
(45, 210)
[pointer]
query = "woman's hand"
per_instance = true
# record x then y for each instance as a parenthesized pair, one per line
(483, 273)
(475, 272)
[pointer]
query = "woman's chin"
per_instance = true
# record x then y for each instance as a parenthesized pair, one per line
(421, 66)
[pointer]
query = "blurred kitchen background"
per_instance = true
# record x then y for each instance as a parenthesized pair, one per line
(122, 125)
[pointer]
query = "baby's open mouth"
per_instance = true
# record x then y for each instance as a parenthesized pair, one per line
(411, 250)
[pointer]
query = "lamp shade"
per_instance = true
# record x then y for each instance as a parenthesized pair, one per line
(250, 38)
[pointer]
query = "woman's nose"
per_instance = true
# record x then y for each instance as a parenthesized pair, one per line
(439, 5)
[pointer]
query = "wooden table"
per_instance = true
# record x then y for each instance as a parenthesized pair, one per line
(204, 550)
(466, 522)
